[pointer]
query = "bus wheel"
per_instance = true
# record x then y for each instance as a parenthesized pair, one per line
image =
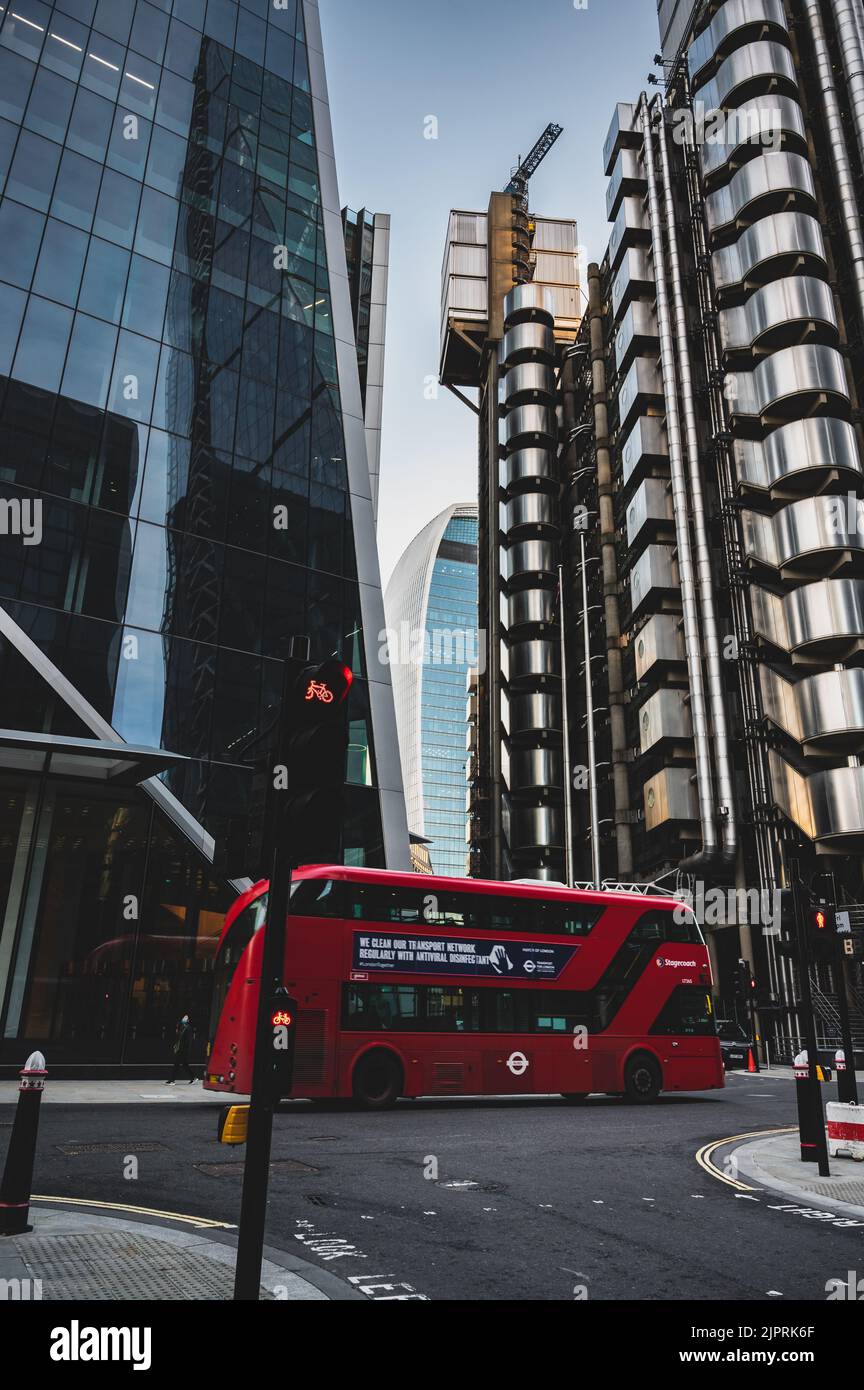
(643, 1079)
(575, 1097)
(377, 1082)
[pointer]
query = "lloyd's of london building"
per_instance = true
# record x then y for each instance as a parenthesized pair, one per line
(714, 465)
(183, 468)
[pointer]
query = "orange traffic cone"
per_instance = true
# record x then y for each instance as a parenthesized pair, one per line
(751, 1061)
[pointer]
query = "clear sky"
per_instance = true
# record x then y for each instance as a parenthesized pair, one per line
(493, 73)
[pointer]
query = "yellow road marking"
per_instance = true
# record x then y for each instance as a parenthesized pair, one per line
(200, 1221)
(703, 1155)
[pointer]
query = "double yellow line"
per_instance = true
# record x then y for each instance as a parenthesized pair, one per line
(202, 1222)
(703, 1155)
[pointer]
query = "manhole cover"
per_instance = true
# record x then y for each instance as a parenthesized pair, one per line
(232, 1169)
(72, 1147)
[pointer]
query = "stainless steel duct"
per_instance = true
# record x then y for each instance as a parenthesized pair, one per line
(713, 660)
(848, 36)
(849, 23)
(704, 777)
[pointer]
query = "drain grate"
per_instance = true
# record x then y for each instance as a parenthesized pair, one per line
(73, 1147)
(316, 1199)
(234, 1169)
(109, 1266)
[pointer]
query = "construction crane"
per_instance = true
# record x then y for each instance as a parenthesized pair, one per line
(526, 167)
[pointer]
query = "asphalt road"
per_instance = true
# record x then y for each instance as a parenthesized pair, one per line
(485, 1199)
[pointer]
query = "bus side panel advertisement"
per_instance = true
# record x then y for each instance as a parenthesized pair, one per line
(438, 956)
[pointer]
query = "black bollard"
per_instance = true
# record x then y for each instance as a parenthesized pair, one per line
(18, 1173)
(808, 1115)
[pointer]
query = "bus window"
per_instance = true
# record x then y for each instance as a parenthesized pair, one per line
(376, 1008)
(560, 1010)
(528, 915)
(687, 1013)
(316, 897)
(451, 1009)
(663, 926)
(237, 938)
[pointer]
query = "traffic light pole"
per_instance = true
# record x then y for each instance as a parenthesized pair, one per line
(256, 1171)
(808, 1023)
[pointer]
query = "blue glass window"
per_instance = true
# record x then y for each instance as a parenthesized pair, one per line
(149, 32)
(90, 127)
(134, 378)
(12, 304)
(104, 280)
(76, 190)
(166, 161)
(182, 49)
(50, 105)
(174, 107)
(146, 295)
(114, 18)
(25, 28)
(103, 67)
(61, 263)
(20, 235)
(65, 46)
(156, 225)
(129, 144)
(117, 208)
(91, 356)
(42, 349)
(33, 171)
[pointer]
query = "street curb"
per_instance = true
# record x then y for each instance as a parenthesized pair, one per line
(328, 1283)
(747, 1160)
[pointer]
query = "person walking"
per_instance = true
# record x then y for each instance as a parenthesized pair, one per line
(182, 1045)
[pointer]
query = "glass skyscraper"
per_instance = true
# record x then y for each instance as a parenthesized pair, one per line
(432, 639)
(184, 487)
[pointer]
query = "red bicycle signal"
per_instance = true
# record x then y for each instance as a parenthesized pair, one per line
(319, 690)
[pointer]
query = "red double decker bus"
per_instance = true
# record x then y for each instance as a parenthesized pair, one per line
(409, 985)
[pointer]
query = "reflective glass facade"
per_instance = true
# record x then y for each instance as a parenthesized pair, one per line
(170, 404)
(431, 606)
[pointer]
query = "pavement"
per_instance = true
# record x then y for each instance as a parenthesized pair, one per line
(81, 1256)
(775, 1162)
(67, 1092)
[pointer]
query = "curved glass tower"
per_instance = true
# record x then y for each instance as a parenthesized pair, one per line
(432, 642)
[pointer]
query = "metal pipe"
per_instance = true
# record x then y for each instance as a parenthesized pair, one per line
(692, 636)
(848, 37)
(589, 723)
(713, 660)
(565, 730)
(609, 557)
(849, 24)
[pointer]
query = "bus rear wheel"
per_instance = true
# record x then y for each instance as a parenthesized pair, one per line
(643, 1079)
(377, 1082)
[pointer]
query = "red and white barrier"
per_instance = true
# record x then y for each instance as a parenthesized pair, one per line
(845, 1130)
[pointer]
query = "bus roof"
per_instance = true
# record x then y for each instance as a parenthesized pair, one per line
(516, 889)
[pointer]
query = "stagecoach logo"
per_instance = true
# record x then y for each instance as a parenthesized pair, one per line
(663, 960)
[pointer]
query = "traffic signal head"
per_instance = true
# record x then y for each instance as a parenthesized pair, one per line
(821, 931)
(282, 1033)
(316, 743)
